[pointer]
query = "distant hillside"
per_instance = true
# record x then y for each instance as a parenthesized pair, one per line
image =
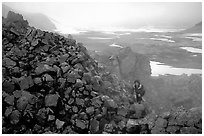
(34, 19)
(125, 63)
(195, 29)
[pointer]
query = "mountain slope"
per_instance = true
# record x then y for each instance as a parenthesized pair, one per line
(50, 85)
(34, 19)
(195, 29)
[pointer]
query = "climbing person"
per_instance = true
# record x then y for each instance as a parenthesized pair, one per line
(138, 91)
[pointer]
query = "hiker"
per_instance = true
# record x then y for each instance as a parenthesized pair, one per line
(138, 91)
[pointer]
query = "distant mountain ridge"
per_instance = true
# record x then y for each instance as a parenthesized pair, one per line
(34, 19)
(197, 28)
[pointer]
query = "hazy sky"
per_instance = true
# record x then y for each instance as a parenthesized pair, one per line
(124, 15)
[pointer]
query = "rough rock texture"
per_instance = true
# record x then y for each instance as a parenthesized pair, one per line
(51, 85)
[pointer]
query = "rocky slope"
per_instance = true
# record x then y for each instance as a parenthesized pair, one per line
(34, 19)
(50, 84)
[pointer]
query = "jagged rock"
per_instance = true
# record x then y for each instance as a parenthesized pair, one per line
(109, 102)
(17, 93)
(132, 126)
(34, 42)
(9, 99)
(121, 125)
(96, 101)
(8, 111)
(87, 77)
(16, 71)
(51, 100)
(65, 69)
(161, 123)
(90, 110)
(79, 83)
(189, 130)
(122, 111)
(26, 83)
(94, 126)
(80, 124)
(172, 129)
(22, 103)
(194, 116)
(165, 115)
(75, 109)
(83, 116)
(15, 117)
(158, 130)
(108, 128)
(48, 78)
(62, 82)
(79, 101)
(104, 110)
(8, 86)
(49, 132)
(41, 115)
(59, 124)
(8, 63)
(31, 98)
(137, 110)
(43, 68)
(86, 93)
(63, 58)
(37, 128)
(37, 81)
(181, 119)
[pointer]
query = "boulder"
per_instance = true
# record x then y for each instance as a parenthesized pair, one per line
(137, 111)
(59, 124)
(132, 126)
(80, 124)
(190, 130)
(160, 122)
(94, 126)
(108, 102)
(8, 63)
(173, 129)
(26, 83)
(41, 116)
(48, 78)
(15, 117)
(51, 100)
(8, 111)
(9, 99)
(8, 86)
(90, 110)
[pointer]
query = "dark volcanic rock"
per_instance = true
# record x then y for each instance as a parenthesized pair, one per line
(80, 124)
(9, 99)
(15, 117)
(51, 100)
(8, 86)
(26, 83)
(94, 126)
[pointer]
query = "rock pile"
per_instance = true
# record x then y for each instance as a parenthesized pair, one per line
(51, 85)
(177, 121)
(48, 82)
